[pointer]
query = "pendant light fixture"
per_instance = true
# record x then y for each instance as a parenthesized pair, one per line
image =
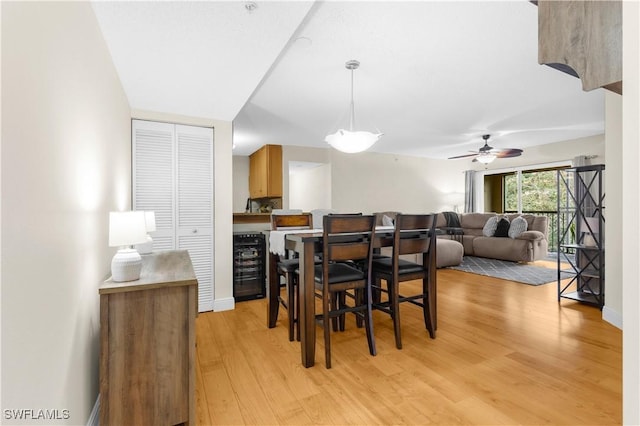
(352, 141)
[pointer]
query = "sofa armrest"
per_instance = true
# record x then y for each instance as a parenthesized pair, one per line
(531, 235)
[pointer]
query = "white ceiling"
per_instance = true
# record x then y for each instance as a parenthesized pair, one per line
(434, 76)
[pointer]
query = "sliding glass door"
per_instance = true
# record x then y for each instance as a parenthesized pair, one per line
(524, 191)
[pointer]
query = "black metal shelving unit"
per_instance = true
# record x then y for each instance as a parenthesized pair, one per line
(581, 234)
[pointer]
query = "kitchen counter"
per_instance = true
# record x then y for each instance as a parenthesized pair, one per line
(239, 218)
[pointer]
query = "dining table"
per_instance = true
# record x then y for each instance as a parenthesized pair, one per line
(306, 243)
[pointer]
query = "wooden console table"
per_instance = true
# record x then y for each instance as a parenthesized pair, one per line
(147, 344)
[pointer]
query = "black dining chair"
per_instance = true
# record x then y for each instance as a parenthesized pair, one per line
(346, 238)
(413, 234)
(286, 267)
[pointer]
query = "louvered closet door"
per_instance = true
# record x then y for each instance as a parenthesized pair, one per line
(173, 176)
(195, 205)
(153, 178)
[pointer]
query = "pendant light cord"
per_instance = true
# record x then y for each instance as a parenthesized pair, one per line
(352, 116)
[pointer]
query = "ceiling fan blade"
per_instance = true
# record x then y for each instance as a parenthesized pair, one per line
(508, 153)
(463, 156)
(489, 150)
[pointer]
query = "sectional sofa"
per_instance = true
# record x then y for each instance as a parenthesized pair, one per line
(529, 246)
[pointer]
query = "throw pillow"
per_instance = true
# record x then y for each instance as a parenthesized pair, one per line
(517, 227)
(502, 230)
(387, 221)
(490, 227)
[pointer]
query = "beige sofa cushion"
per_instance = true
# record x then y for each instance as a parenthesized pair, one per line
(475, 220)
(448, 253)
(505, 249)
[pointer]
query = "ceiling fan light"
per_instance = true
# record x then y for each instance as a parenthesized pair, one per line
(352, 141)
(486, 158)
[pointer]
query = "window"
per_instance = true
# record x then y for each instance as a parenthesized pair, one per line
(533, 191)
(525, 191)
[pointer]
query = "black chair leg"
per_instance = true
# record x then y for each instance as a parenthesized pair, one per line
(368, 321)
(334, 305)
(291, 304)
(327, 332)
(426, 310)
(359, 298)
(394, 306)
(377, 290)
(342, 303)
(297, 293)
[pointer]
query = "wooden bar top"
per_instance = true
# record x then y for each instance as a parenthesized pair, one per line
(160, 269)
(251, 218)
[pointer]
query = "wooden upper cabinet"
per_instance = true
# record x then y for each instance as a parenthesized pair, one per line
(585, 36)
(265, 172)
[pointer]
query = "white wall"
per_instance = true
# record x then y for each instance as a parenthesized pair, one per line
(310, 188)
(240, 182)
(630, 212)
(66, 158)
(297, 153)
(222, 203)
(372, 182)
(612, 311)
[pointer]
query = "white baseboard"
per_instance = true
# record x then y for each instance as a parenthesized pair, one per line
(226, 304)
(94, 417)
(612, 317)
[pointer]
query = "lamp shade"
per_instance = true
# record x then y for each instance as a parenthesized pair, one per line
(591, 225)
(150, 221)
(352, 141)
(127, 228)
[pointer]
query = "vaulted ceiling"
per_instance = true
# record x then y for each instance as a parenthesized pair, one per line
(434, 76)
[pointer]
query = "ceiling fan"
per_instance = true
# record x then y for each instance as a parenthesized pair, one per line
(487, 154)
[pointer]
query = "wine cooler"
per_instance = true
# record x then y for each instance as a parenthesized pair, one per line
(249, 266)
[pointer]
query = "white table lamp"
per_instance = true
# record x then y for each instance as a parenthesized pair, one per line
(150, 224)
(590, 226)
(125, 230)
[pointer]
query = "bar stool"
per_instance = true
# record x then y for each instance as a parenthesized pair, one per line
(413, 234)
(346, 238)
(287, 266)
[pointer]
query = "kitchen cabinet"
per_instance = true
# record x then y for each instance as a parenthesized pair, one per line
(265, 172)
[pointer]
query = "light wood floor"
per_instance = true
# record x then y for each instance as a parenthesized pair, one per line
(505, 353)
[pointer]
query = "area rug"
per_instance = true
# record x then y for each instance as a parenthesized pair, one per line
(512, 271)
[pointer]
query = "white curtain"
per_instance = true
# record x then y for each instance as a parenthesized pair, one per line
(469, 191)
